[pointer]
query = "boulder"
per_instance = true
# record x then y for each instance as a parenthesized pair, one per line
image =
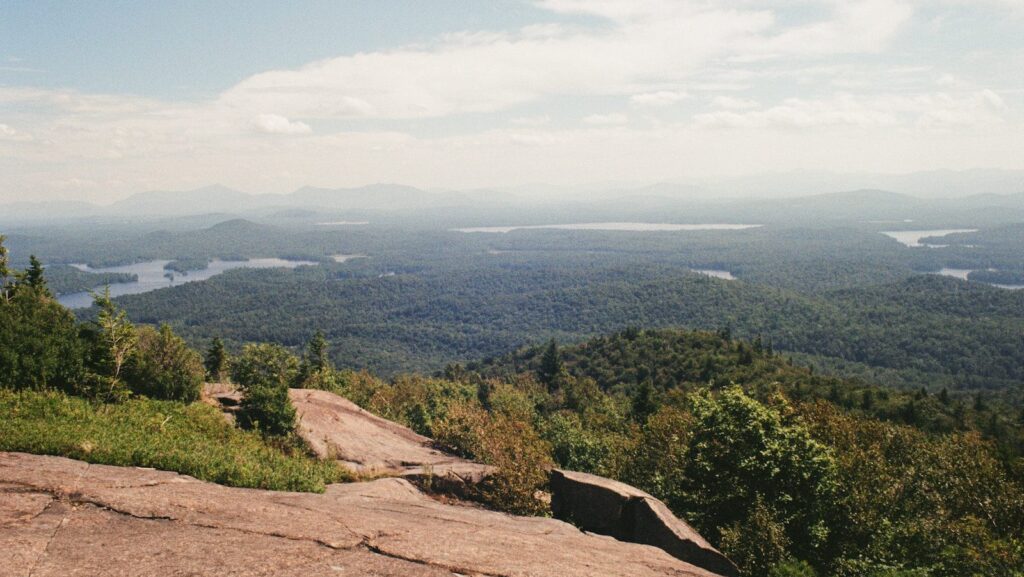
(612, 508)
(64, 517)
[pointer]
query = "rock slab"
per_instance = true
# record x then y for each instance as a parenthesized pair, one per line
(338, 429)
(64, 517)
(612, 508)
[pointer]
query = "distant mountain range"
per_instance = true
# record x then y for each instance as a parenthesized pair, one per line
(982, 192)
(221, 199)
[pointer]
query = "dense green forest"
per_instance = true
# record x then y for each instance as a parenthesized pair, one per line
(930, 331)
(844, 299)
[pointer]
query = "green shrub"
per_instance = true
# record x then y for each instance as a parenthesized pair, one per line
(264, 373)
(163, 367)
(742, 453)
(521, 457)
(39, 343)
(757, 543)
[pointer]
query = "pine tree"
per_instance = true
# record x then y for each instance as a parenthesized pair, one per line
(550, 364)
(116, 333)
(317, 357)
(4, 271)
(315, 369)
(645, 402)
(33, 277)
(216, 361)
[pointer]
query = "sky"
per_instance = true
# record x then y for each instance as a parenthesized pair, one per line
(102, 99)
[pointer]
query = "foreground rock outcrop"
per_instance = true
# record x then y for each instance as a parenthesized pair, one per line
(612, 508)
(64, 517)
(336, 428)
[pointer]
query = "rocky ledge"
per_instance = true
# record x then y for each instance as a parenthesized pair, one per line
(64, 517)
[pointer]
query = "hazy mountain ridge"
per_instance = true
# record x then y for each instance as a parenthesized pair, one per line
(812, 198)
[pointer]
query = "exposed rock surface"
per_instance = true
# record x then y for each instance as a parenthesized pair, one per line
(612, 508)
(64, 517)
(336, 428)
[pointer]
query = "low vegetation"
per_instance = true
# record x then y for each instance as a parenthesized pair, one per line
(193, 439)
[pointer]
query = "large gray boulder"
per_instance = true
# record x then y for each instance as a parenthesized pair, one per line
(612, 508)
(63, 517)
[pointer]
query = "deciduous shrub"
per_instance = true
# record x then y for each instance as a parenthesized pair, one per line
(164, 367)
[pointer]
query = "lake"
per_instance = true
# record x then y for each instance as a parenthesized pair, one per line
(722, 274)
(346, 257)
(152, 276)
(615, 226)
(961, 273)
(913, 238)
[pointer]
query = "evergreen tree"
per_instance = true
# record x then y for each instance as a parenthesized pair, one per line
(164, 367)
(867, 401)
(4, 270)
(33, 277)
(317, 358)
(550, 365)
(645, 403)
(216, 361)
(117, 338)
(315, 369)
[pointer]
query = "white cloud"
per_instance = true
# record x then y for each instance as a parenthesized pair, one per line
(734, 103)
(539, 120)
(612, 119)
(275, 124)
(659, 98)
(780, 60)
(10, 134)
(931, 111)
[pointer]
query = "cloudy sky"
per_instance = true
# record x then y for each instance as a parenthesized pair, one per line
(102, 99)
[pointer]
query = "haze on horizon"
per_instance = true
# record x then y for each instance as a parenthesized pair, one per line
(102, 100)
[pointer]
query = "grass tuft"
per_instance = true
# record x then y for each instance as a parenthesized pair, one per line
(192, 439)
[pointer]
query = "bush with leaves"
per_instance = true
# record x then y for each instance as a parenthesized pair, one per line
(521, 457)
(742, 453)
(757, 543)
(264, 373)
(164, 367)
(575, 447)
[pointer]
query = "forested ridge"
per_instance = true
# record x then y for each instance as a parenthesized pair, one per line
(929, 331)
(846, 299)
